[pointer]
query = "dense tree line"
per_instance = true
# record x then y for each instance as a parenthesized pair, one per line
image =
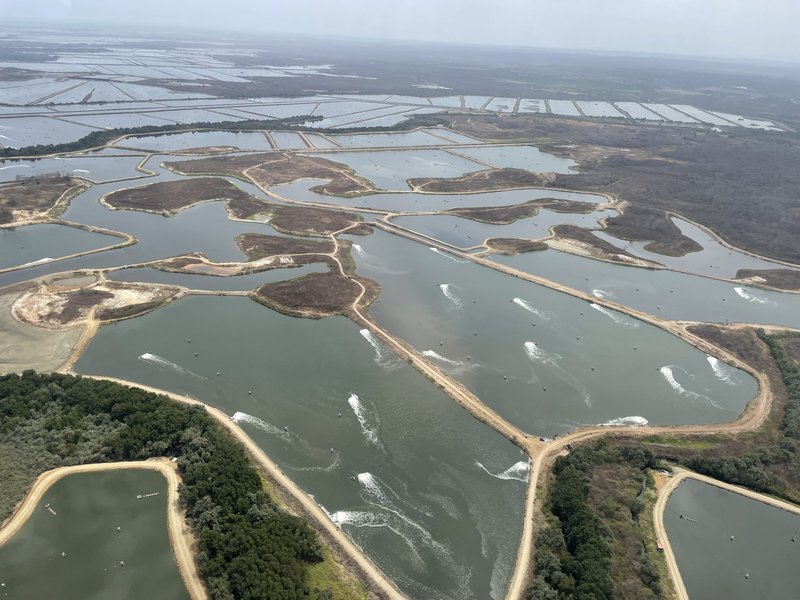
(104, 136)
(248, 547)
(574, 552)
(750, 470)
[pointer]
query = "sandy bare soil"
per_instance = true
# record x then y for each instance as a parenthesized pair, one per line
(27, 347)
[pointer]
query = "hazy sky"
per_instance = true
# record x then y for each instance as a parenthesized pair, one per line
(726, 28)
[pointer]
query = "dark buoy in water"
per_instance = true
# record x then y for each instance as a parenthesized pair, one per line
(340, 415)
(285, 428)
(747, 575)
(189, 341)
(217, 373)
(475, 333)
(441, 343)
(635, 348)
(332, 450)
(731, 538)
(505, 377)
(592, 368)
(578, 338)
(469, 357)
(544, 389)
(196, 354)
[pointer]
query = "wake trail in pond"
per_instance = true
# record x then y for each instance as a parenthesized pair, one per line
(751, 297)
(635, 420)
(242, 417)
(383, 357)
(446, 255)
(160, 361)
(602, 294)
(614, 316)
(669, 376)
(519, 471)
(359, 250)
(368, 421)
(447, 290)
(531, 308)
(721, 370)
(537, 354)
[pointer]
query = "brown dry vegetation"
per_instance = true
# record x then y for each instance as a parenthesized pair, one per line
(256, 246)
(505, 215)
(585, 236)
(514, 245)
(641, 223)
(479, 181)
(170, 197)
(314, 296)
(274, 168)
(784, 279)
(791, 346)
(35, 197)
(742, 184)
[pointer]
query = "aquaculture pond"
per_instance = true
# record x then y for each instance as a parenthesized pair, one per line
(733, 547)
(665, 293)
(197, 139)
(432, 495)
(546, 361)
(42, 243)
(93, 537)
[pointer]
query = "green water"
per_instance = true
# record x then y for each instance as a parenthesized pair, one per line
(434, 497)
(711, 565)
(546, 361)
(89, 508)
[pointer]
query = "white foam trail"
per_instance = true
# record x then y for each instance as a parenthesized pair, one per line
(720, 369)
(371, 486)
(750, 297)
(519, 471)
(446, 255)
(5, 137)
(369, 430)
(447, 290)
(617, 318)
(359, 250)
(382, 355)
(80, 171)
(440, 358)
(635, 420)
(241, 417)
(669, 376)
(160, 361)
(602, 294)
(15, 167)
(36, 262)
(531, 308)
(534, 352)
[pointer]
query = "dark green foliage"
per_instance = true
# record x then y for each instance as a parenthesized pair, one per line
(574, 553)
(750, 469)
(248, 547)
(102, 137)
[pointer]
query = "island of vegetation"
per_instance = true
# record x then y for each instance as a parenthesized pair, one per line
(37, 198)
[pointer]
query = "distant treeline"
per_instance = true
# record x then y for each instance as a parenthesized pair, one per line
(248, 547)
(102, 137)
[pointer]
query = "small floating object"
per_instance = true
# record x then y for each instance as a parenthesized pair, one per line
(635, 348)
(217, 373)
(469, 357)
(249, 392)
(122, 563)
(47, 505)
(747, 575)
(353, 478)
(340, 415)
(138, 496)
(189, 341)
(119, 528)
(592, 368)
(505, 378)
(581, 314)
(731, 538)
(578, 338)
(441, 343)
(544, 389)
(196, 354)
(285, 428)
(332, 450)
(63, 554)
(475, 333)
